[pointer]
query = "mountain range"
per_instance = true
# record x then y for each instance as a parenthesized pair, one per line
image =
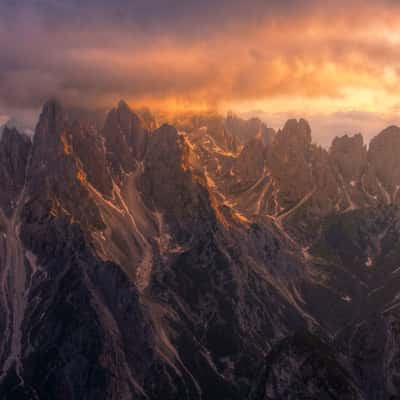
(205, 258)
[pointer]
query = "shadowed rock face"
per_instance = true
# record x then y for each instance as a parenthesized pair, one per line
(125, 139)
(349, 154)
(14, 153)
(89, 147)
(214, 261)
(84, 343)
(250, 164)
(57, 177)
(170, 186)
(288, 159)
(246, 130)
(303, 367)
(383, 155)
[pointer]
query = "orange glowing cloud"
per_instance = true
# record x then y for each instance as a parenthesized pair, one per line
(289, 56)
(308, 62)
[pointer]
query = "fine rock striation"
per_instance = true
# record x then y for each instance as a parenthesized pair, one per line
(209, 258)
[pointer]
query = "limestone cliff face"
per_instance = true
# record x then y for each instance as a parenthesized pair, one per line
(383, 157)
(288, 159)
(89, 147)
(14, 157)
(57, 176)
(349, 155)
(250, 165)
(218, 261)
(245, 130)
(303, 367)
(125, 139)
(169, 184)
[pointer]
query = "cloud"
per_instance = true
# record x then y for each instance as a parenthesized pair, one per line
(306, 57)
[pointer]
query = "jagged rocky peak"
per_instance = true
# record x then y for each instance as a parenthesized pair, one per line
(14, 154)
(289, 160)
(383, 154)
(50, 140)
(88, 146)
(91, 119)
(250, 164)
(325, 181)
(168, 183)
(52, 107)
(267, 134)
(148, 118)
(16, 124)
(65, 136)
(246, 129)
(52, 121)
(125, 137)
(214, 126)
(295, 133)
(57, 130)
(59, 175)
(165, 164)
(11, 137)
(349, 154)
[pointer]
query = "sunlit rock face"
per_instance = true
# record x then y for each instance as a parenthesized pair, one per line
(214, 259)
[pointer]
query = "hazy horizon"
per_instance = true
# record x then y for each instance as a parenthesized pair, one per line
(334, 64)
(325, 127)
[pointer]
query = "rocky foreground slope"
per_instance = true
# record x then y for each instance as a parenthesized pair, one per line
(209, 259)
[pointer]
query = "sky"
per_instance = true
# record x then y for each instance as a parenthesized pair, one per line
(335, 63)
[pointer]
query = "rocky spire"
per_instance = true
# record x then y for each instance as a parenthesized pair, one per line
(125, 138)
(383, 154)
(349, 155)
